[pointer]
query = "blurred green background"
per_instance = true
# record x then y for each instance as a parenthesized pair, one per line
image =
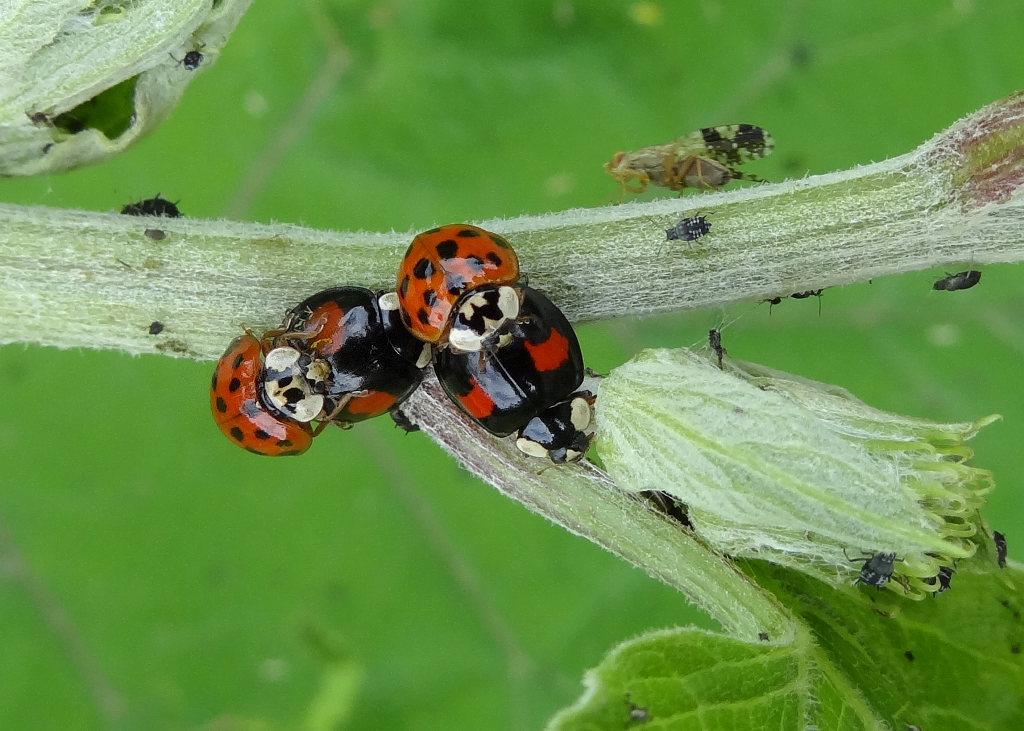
(153, 576)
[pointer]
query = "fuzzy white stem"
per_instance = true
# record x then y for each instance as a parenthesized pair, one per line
(77, 279)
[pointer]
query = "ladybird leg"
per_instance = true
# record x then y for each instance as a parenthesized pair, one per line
(339, 407)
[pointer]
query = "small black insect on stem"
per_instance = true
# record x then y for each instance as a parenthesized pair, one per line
(960, 280)
(877, 569)
(1000, 541)
(715, 341)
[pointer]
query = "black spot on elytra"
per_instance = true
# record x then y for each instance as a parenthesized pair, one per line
(234, 385)
(237, 433)
(213, 382)
(237, 361)
(290, 453)
(423, 269)
(429, 298)
(499, 242)
(260, 434)
(468, 233)
(431, 231)
(422, 316)
(284, 442)
(493, 258)
(255, 451)
(403, 286)
(222, 405)
(447, 249)
(456, 290)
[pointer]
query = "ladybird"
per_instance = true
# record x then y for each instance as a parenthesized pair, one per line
(239, 409)
(156, 206)
(877, 569)
(526, 382)
(348, 345)
(440, 266)
(958, 281)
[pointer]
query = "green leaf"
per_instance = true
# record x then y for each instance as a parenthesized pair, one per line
(682, 679)
(183, 565)
(861, 660)
(85, 80)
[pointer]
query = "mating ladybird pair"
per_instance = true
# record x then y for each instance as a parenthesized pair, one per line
(340, 356)
(504, 354)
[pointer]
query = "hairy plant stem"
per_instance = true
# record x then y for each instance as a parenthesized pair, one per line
(78, 279)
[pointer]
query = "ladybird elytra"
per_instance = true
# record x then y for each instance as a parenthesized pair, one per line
(239, 411)
(440, 266)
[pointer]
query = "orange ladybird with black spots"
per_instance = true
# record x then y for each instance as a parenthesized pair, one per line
(238, 407)
(440, 266)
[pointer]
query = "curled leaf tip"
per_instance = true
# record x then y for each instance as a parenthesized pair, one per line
(777, 467)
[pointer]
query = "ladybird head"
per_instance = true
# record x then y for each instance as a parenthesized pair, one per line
(483, 319)
(560, 432)
(443, 264)
(290, 382)
(239, 410)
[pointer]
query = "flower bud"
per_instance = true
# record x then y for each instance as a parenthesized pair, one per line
(776, 467)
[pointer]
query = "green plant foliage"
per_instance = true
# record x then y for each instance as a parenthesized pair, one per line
(860, 661)
(184, 567)
(689, 679)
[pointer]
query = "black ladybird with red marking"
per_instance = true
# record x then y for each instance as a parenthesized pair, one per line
(361, 358)
(525, 380)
